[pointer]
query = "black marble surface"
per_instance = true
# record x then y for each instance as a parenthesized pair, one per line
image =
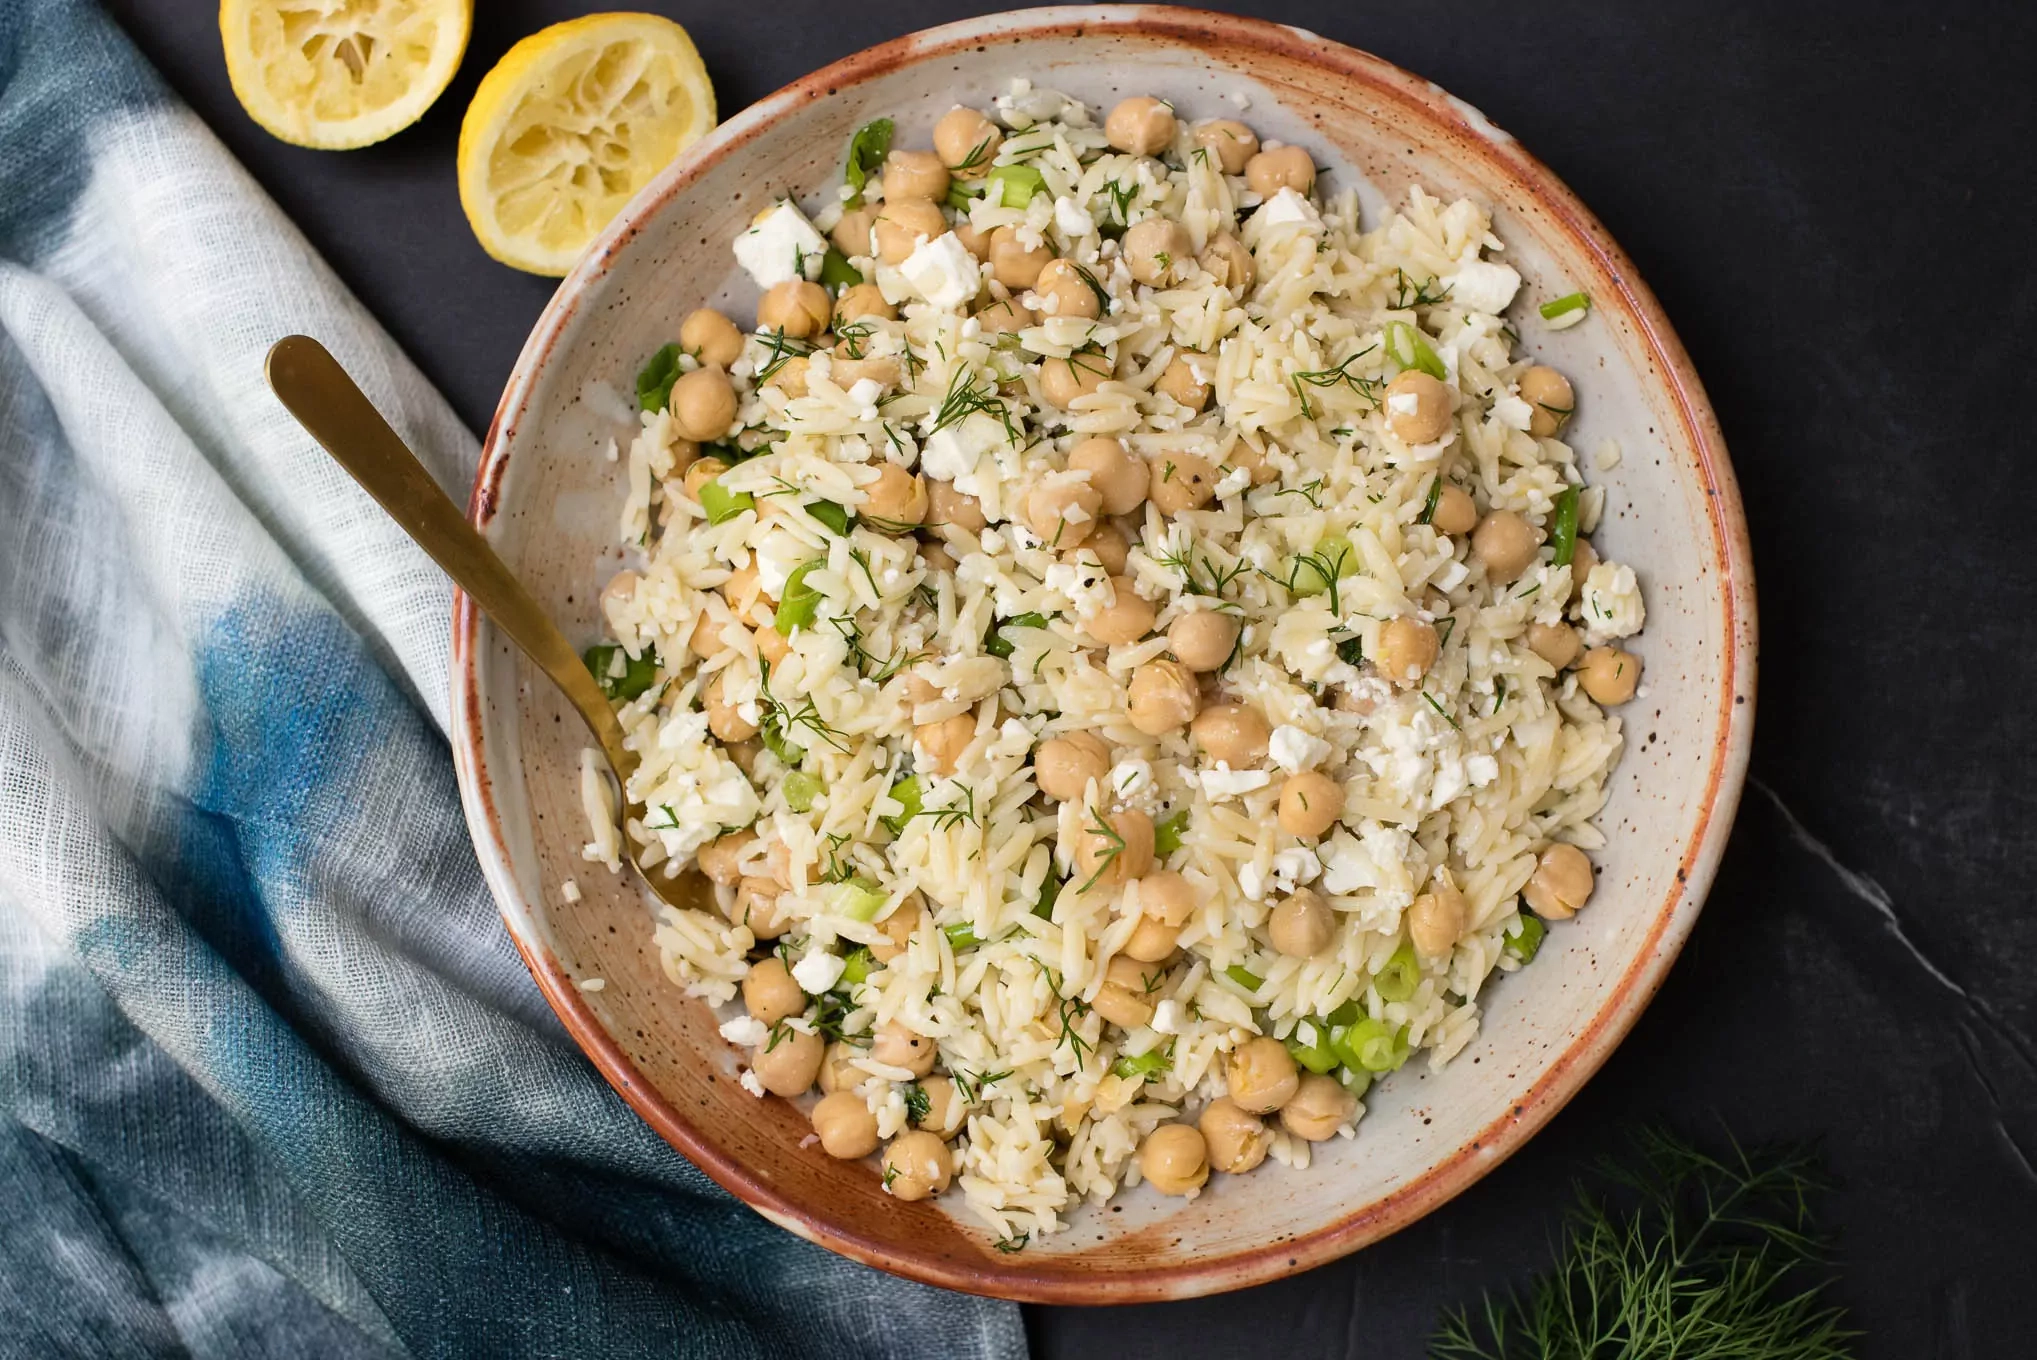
(1834, 202)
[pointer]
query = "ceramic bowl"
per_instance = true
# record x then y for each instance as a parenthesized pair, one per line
(548, 500)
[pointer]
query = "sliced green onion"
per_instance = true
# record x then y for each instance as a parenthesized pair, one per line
(858, 966)
(1351, 651)
(1346, 1014)
(906, 793)
(1050, 893)
(1333, 554)
(1357, 1083)
(775, 742)
(867, 150)
(1528, 943)
(1167, 835)
(1409, 348)
(801, 602)
(1244, 977)
(836, 271)
(1370, 1045)
(1401, 975)
(859, 899)
(997, 644)
(1016, 184)
(639, 672)
(1310, 1046)
(801, 789)
(722, 504)
(836, 517)
(1140, 1066)
(1563, 306)
(1434, 499)
(961, 935)
(1563, 527)
(655, 378)
(961, 194)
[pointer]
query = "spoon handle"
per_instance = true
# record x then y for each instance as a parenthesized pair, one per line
(315, 389)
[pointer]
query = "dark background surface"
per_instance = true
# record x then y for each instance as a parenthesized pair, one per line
(1834, 203)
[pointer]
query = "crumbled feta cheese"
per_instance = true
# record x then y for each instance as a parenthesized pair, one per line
(1481, 770)
(1289, 206)
(865, 391)
(1508, 409)
(1295, 866)
(1611, 604)
(1072, 218)
(818, 972)
(779, 554)
(1252, 882)
(782, 246)
(952, 452)
(1404, 404)
(1168, 1015)
(1294, 750)
(1234, 481)
(570, 890)
(745, 1032)
(943, 272)
(1131, 777)
(752, 1083)
(1225, 782)
(1481, 286)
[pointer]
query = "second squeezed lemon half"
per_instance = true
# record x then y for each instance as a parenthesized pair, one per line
(336, 76)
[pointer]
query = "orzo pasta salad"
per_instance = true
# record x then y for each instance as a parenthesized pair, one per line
(1121, 641)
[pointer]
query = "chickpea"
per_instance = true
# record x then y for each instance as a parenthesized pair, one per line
(1174, 1160)
(699, 473)
(1127, 618)
(1120, 477)
(914, 174)
(1064, 766)
(1228, 262)
(1406, 649)
(788, 1061)
(1303, 925)
(896, 501)
(769, 992)
(1556, 643)
(1456, 513)
(1310, 803)
(1261, 1075)
(1187, 379)
(845, 1125)
(1063, 381)
(1063, 291)
(937, 557)
(1152, 941)
(1610, 675)
(1436, 920)
(947, 506)
(1140, 126)
(1166, 896)
(1181, 481)
(1550, 398)
(703, 405)
(723, 717)
(917, 1165)
(620, 590)
(1583, 557)
(790, 376)
(896, 1046)
(1561, 884)
(966, 142)
(1114, 858)
(1320, 1106)
(838, 1070)
(1063, 513)
(1157, 251)
(1237, 1141)
(1286, 167)
(1229, 142)
(1202, 641)
(861, 301)
(851, 235)
(711, 337)
(846, 373)
(1417, 408)
(709, 637)
(757, 907)
(1015, 264)
(1163, 695)
(1255, 463)
(1506, 543)
(1108, 543)
(945, 741)
(1004, 318)
(902, 224)
(744, 590)
(946, 1110)
(898, 928)
(1126, 997)
(976, 242)
(797, 308)
(1232, 733)
(718, 858)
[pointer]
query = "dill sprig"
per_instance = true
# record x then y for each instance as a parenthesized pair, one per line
(1407, 293)
(780, 719)
(971, 1086)
(1008, 1245)
(854, 337)
(1114, 846)
(1310, 491)
(1339, 376)
(966, 397)
(1691, 1255)
(955, 814)
(1183, 562)
(1121, 196)
(782, 349)
(1327, 567)
(918, 1104)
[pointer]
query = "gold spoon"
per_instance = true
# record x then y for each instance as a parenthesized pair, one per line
(315, 389)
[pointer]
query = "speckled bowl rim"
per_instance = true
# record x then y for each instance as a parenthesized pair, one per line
(1617, 287)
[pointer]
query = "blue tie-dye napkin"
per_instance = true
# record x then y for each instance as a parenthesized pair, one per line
(272, 1079)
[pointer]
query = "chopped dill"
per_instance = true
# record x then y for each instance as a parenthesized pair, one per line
(955, 814)
(1114, 846)
(1183, 561)
(1407, 293)
(1340, 376)
(1311, 491)
(971, 1087)
(782, 349)
(918, 1104)
(965, 398)
(1440, 710)
(1008, 1245)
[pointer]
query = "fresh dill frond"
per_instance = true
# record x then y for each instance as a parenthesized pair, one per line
(918, 1104)
(1008, 1245)
(1311, 491)
(1114, 845)
(1683, 1254)
(1184, 563)
(1339, 376)
(1407, 293)
(970, 392)
(971, 1085)
(782, 349)
(955, 814)
(782, 720)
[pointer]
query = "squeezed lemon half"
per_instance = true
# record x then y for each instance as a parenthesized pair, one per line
(336, 74)
(569, 125)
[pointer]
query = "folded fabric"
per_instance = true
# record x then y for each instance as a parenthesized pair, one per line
(272, 1079)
